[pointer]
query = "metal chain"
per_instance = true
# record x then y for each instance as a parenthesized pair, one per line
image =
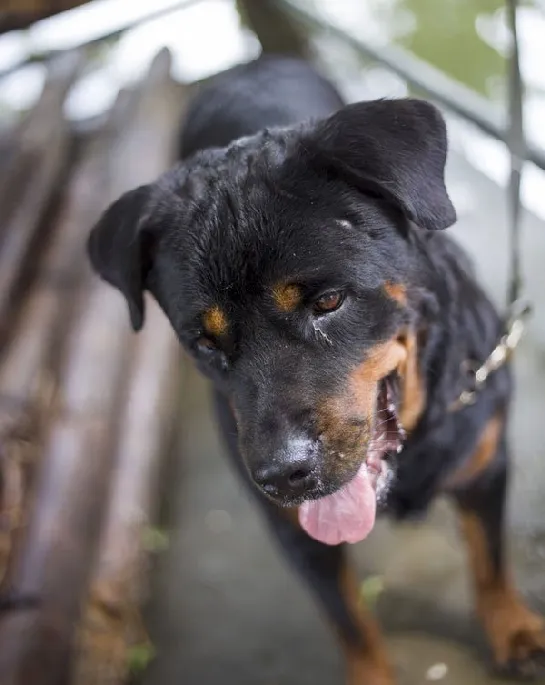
(497, 358)
(517, 309)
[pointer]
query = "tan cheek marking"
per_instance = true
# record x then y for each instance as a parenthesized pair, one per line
(344, 432)
(287, 297)
(413, 393)
(215, 322)
(397, 292)
(398, 354)
(481, 458)
(381, 361)
(358, 402)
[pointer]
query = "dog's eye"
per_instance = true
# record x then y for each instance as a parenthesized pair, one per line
(328, 302)
(204, 344)
(209, 352)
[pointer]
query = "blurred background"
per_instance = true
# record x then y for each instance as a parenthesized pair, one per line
(128, 550)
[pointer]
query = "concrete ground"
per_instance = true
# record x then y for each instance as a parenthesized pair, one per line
(225, 609)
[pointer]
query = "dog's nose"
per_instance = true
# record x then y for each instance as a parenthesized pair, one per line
(291, 472)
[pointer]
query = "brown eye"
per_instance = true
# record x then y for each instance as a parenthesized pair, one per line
(328, 302)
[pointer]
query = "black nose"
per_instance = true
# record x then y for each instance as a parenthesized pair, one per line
(291, 472)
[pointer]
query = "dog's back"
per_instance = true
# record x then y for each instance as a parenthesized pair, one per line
(268, 92)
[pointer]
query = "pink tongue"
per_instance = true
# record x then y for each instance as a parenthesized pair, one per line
(346, 516)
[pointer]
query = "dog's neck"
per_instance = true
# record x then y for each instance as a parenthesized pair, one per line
(456, 321)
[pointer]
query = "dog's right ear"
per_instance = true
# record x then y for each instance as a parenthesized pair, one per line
(121, 246)
(394, 149)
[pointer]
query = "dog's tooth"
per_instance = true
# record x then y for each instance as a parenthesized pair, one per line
(399, 448)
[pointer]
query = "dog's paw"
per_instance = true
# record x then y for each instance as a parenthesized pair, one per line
(526, 660)
(519, 644)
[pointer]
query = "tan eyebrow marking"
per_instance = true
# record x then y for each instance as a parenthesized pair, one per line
(397, 292)
(215, 322)
(287, 296)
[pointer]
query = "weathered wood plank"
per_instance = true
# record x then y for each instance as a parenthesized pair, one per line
(20, 18)
(31, 180)
(27, 368)
(111, 623)
(54, 563)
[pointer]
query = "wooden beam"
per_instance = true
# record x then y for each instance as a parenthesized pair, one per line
(111, 623)
(31, 358)
(31, 181)
(54, 560)
(28, 12)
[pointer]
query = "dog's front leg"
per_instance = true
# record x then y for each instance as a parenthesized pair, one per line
(516, 634)
(333, 582)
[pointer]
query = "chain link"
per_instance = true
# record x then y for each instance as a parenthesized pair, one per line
(478, 374)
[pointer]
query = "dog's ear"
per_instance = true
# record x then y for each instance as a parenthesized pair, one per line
(120, 246)
(394, 148)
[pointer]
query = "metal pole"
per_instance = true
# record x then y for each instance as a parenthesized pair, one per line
(517, 150)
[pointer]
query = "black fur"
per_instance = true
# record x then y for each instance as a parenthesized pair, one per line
(281, 183)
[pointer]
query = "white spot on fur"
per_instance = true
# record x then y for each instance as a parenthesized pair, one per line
(324, 335)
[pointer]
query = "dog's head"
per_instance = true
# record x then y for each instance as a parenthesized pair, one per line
(284, 264)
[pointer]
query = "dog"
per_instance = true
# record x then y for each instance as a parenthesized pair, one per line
(298, 251)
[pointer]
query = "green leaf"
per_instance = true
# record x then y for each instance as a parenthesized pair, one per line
(371, 589)
(140, 656)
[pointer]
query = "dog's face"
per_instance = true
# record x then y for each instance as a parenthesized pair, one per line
(284, 265)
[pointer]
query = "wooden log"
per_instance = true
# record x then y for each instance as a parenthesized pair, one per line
(55, 559)
(7, 150)
(41, 56)
(28, 359)
(31, 180)
(13, 18)
(111, 624)
(70, 493)
(27, 371)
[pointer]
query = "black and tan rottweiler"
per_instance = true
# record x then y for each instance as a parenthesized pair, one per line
(298, 251)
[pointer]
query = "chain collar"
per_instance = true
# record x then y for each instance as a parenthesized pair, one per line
(478, 373)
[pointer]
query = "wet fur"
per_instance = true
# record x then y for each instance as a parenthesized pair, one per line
(233, 224)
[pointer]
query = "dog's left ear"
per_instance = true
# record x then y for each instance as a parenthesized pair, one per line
(121, 245)
(392, 148)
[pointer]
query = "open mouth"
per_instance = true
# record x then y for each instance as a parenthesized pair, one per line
(388, 435)
(348, 515)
